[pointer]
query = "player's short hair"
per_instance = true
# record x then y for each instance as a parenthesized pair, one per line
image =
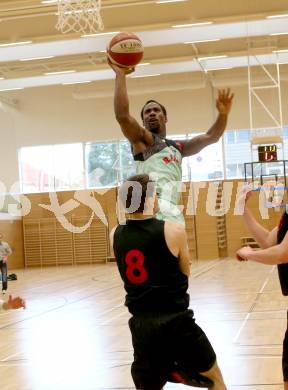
(134, 191)
(153, 101)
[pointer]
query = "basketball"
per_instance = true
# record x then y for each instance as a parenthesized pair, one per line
(125, 49)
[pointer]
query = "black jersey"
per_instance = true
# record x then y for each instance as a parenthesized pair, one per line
(150, 272)
(283, 268)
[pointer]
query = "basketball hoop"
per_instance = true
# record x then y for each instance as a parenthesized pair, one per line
(79, 16)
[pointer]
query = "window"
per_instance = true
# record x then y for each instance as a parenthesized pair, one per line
(51, 168)
(36, 169)
(207, 164)
(235, 170)
(127, 165)
(237, 153)
(230, 137)
(243, 136)
(69, 166)
(102, 164)
(61, 167)
(285, 141)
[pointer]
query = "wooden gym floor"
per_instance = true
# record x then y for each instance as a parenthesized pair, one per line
(74, 335)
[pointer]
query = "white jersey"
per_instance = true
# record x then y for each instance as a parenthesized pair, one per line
(162, 162)
(5, 250)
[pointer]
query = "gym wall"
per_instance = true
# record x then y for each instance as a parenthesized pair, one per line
(212, 233)
(52, 115)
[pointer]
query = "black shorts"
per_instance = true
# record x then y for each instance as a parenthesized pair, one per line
(285, 355)
(164, 343)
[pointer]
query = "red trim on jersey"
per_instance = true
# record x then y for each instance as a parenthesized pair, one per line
(178, 377)
(180, 145)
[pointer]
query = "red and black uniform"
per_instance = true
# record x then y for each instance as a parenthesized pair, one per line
(164, 332)
(283, 277)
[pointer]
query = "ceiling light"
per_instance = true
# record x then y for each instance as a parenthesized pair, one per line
(211, 58)
(276, 16)
(281, 33)
(61, 72)
(146, 75)
(168, 1)
(202, 41)
(77, 82)
(36, 58)
(99, 34)
(222, 68)
(15, 43)
(49, 1)
(10, 89)
(191, 24)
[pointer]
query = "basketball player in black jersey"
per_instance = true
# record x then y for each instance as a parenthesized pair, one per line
(153, 261)
(274, 250)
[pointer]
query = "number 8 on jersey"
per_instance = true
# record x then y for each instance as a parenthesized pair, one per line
(135, 272)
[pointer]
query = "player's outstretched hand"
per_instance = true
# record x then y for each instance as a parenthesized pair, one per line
(243, 253)
(224, 101)
(119, 69)
(243, 196)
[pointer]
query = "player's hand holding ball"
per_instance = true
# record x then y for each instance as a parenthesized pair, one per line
(124, 52)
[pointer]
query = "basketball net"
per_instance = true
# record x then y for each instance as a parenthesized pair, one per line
(79, 16)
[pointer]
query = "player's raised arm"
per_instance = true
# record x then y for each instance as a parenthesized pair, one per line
(129, 126)
(263, 236)
(196, 144)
